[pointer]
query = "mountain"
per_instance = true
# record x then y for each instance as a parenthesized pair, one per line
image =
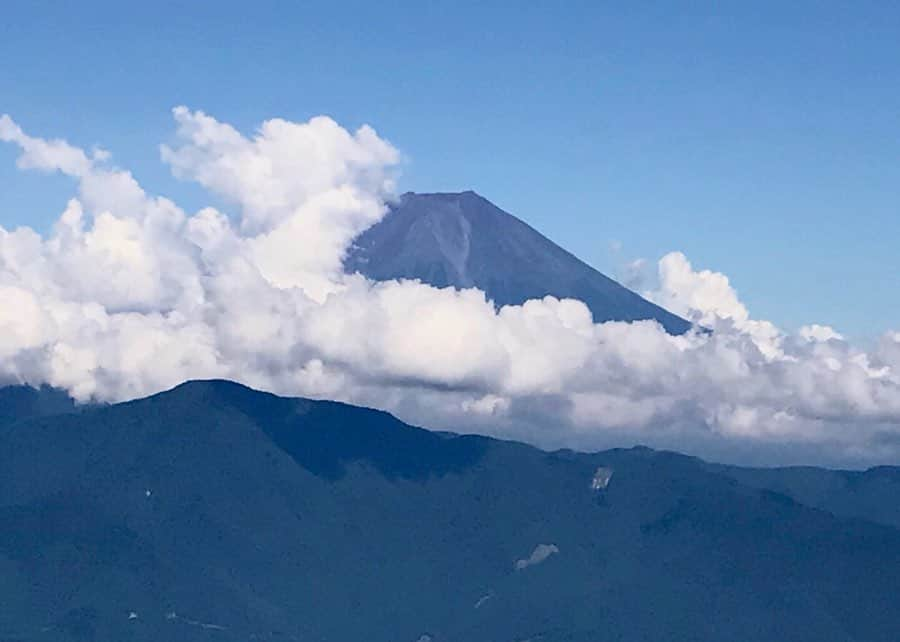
(216, 512)
(464, 240)
(872, 494)
(22, 402)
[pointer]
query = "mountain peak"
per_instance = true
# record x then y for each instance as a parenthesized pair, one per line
(442, 197)
(465, 192)
(324, 436)
(199, 386)
(461, 239)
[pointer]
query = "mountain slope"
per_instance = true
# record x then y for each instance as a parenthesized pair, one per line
(216, 512)
(464, 240)
(872, 494)
(23, 402)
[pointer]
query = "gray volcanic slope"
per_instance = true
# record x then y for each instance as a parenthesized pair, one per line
(464, 240)
(213, 512)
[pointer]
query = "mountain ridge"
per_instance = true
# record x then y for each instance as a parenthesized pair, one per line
(214, 509)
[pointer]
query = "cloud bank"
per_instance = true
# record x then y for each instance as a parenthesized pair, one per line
(129, 294)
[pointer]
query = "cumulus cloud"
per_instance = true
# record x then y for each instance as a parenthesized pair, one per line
(707, 298)
(305, 190)
(128, 294)
(816, 332)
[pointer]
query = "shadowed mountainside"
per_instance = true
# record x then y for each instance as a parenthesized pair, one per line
(23, 402)
(213, 511)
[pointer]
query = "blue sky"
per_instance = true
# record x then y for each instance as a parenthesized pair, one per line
(760, 140)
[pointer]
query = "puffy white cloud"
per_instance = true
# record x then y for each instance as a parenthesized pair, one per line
(708, 299)
(23, 325)
(305, 190)
(816, 332)
(128, 295)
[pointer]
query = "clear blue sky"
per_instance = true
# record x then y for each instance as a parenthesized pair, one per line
(761, 139)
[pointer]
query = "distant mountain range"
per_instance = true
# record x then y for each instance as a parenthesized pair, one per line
(215, 512)
(464, 240)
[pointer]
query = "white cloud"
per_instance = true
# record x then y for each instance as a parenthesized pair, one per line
(46, 155)
(305, 190)
(128, 294)
(708, 299)
(632, 275)
(816, 332)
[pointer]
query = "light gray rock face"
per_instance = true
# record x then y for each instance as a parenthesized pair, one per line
(540, 554)
(601, 478)
(464, 240)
